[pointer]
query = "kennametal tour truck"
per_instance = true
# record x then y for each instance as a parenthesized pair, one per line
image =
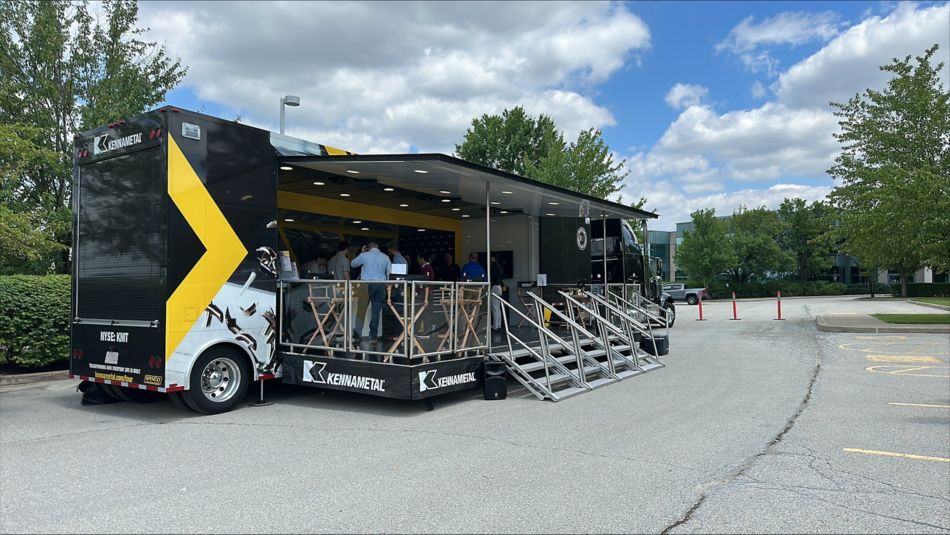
(191, 233)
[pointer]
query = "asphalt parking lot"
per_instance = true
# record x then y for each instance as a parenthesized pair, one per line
(754, 425)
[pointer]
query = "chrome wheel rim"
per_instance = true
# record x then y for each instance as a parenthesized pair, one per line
(220, 379)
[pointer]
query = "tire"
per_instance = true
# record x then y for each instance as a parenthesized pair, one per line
(137, 395)
(692, 299)
(670, 313)
(219, 381)
(118, 393)
(178, 401)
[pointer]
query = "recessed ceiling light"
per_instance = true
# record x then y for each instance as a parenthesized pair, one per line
(286, 168)
(456, 209)
(352, 172)
(344, 195)
(446, 200)
(289, 219)
(465, 215)
(553, 203)
(495, 203)
(506, 192)
(389, 189)
(468, 236)
(365, 228)
(357, 222)
(421, 229)
(503, 212)
(404, 206)
(246, 197)
(421, 171)
(318, 183)
(551, 215)
(445, 192)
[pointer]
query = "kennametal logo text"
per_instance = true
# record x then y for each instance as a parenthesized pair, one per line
(104, 144)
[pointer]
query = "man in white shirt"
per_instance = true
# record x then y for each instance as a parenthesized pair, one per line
(376, 266)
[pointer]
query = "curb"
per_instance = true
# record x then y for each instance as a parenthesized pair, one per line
(824, 326)
(930, 305)
(27, 378)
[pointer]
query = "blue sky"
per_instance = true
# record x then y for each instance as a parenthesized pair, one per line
(710, 104)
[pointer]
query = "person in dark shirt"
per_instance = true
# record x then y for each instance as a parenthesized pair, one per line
(450, 271)
(424, 298)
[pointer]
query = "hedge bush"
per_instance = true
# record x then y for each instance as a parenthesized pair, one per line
(923, 289)
(34, 319)
(719, 289)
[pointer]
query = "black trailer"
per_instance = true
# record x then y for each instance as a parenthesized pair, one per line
(191, 234)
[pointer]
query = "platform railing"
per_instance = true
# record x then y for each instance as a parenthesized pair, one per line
(418, 321)
(644, 329)
(639, 307)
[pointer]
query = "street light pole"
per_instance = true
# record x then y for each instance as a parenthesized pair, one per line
(287, 100)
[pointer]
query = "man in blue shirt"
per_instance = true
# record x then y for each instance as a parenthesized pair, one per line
(473, 271)
(376, 266)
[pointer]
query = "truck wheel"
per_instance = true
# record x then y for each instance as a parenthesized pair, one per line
(670, 314)
(117, 392)
(691, 299)
(178, 401)
(219, 381)
(137, 395)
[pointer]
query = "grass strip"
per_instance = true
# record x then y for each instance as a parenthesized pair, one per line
(915, 319)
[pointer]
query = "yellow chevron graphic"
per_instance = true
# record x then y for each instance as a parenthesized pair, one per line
(223, 250)
(333, 151)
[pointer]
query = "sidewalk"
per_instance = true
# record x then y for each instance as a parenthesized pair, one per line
(26, 378)
(862, 323)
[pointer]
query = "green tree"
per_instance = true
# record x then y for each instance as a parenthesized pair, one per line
(705, 251)
(523, 145)
(27, 236)
(754, 244)
(64, 69)
(509, 141)
(894, 170)
(803, 236)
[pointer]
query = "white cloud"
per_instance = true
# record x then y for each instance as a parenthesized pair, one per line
(849, 64)
(786, 140)
(685, 95)
(758, 90)
(749, 41)
(675, 206)
(400, 74)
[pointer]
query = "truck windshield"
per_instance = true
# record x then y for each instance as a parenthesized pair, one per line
(119, 254)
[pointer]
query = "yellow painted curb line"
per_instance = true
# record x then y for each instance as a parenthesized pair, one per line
(894, 454)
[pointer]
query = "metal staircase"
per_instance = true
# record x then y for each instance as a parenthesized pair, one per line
(599, 347)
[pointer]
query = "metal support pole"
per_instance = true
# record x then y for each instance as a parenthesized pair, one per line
(603, 219)
(281, 115)
(488, 264)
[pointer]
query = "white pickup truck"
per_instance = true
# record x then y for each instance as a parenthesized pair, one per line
(679, 292)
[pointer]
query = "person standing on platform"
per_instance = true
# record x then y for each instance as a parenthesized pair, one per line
(450, 272)
(425, 326)
(339, 265)
(473, 271)
(375, 266)
(397, 256)
(497, 274)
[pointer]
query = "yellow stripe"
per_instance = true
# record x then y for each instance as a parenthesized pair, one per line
(333, 151)
(925, 405)
(894, 454)
(223, 249)
(907, 359)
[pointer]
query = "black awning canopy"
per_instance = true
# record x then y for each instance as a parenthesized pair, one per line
(437, 177)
